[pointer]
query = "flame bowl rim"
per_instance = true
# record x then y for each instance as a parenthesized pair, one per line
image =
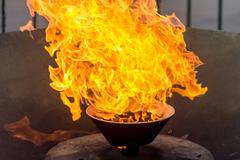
(169, 113)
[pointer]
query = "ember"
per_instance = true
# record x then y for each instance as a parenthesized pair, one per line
(119, 56)
(134, 117)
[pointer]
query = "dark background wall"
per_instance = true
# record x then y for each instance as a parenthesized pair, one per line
(211, 120)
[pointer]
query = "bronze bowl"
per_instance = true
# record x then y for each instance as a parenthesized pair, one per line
(130, 135)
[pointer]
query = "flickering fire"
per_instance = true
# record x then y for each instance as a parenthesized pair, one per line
(27, 27)
(120, 56)
(22, 130)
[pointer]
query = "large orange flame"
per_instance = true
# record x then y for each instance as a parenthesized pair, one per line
(119, 55)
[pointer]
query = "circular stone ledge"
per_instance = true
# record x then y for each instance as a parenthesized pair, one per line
(95, 147)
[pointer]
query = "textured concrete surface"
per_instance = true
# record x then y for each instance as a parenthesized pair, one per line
(212, 120)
